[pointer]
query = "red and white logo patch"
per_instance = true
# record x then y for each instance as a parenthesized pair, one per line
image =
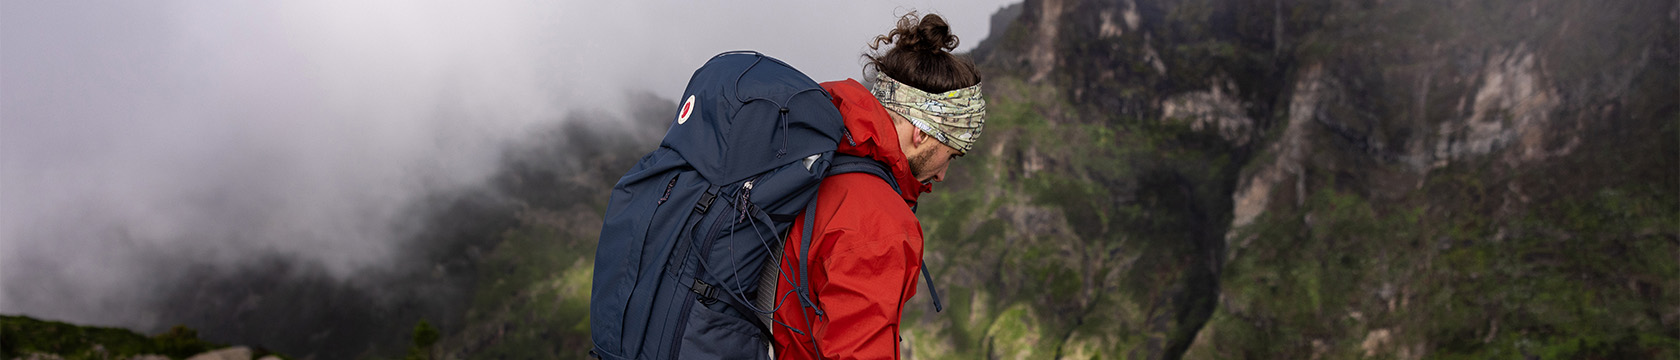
(687, 109)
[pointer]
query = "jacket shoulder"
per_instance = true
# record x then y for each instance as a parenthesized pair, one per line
(865, 202)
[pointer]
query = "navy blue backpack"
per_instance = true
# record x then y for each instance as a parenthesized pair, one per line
(689, 253)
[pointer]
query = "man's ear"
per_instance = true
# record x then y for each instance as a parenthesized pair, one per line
(917, 136)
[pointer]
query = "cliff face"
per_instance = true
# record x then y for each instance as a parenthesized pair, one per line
(1311, 179)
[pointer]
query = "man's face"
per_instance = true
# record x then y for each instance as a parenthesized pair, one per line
(929, 164)
(929, 158)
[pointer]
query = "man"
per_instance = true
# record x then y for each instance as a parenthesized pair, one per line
(924, 111)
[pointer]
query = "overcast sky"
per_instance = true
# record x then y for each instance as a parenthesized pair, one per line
(224, 129)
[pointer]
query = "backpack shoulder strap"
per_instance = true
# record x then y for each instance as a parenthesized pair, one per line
(851, 163)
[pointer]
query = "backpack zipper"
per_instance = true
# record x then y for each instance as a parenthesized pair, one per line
(668, 190)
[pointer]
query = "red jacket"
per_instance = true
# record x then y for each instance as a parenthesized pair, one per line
(866, 247)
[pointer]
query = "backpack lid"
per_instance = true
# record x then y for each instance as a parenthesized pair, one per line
(745, 113)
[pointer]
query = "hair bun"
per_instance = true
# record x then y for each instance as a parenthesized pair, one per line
(928, 34)
(921, 55)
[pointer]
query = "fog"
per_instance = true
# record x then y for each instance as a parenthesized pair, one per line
(141, 141)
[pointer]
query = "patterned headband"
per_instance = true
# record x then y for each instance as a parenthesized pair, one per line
(954, 117)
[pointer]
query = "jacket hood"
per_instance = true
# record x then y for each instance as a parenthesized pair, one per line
(870, 133)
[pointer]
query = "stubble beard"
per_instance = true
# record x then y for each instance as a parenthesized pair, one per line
(919, 164)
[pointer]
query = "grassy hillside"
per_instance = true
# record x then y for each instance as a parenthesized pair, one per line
(21, 336)
(531, 298)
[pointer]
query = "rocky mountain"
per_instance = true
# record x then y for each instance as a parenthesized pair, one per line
(1318, 179)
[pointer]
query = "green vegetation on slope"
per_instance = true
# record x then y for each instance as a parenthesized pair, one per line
(533, 301)
(1072, 238)
(22, 335)
(1344, 277)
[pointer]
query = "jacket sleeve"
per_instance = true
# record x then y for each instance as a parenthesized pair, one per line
(868, 283)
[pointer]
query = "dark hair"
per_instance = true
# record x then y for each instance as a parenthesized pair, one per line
(921, 55)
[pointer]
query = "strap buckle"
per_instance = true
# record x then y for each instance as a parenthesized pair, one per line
(706, 291)
(705, 202)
